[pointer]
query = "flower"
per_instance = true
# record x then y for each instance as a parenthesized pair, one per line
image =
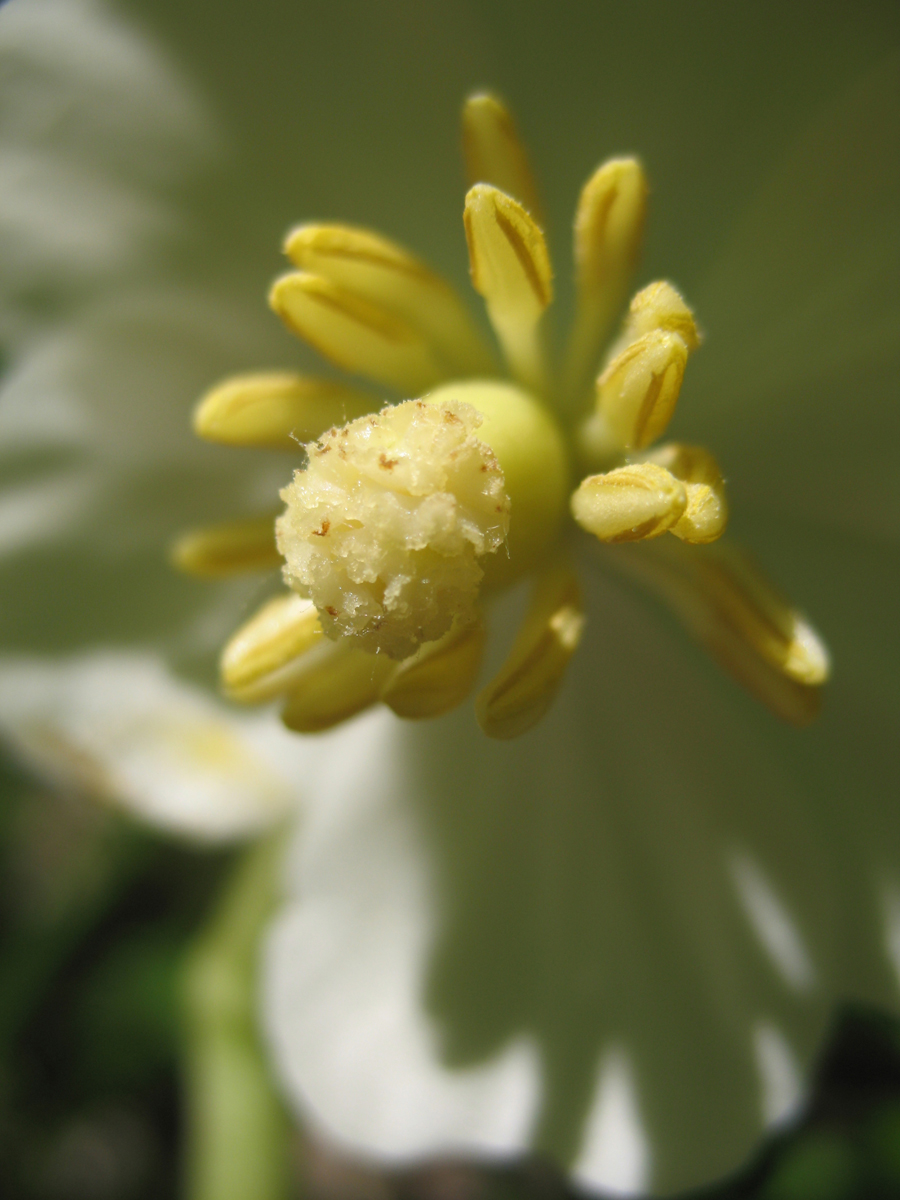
(394, 525)
(618, 937)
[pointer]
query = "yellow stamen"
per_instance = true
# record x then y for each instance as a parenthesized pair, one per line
(526, 685)
(744, 598)
(336, 686)
(355, 334)
(629, 504)
(511, 269)
(262, 659)
(388, 276)
(232, 548)
(637, 393)
(276, 409)
(660, 306)
(706, 515)
(638, 390)
(439, 676)
(494, 152)
(752, 631)
(609, 227)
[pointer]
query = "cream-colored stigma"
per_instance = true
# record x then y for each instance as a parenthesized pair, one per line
(385, 527)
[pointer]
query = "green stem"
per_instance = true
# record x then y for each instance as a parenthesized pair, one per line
(237, 1130)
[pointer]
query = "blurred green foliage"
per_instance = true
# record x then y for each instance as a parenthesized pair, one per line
(96, 918)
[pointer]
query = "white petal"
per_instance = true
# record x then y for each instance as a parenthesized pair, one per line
(615, 1144)
(120, 727)
(95, 125)
(62, 225)
(346, 964)
(891, 902)
(84, 81)
(772, 923)
(779, 1072)
(468, 899)
(42, 510)
(796, 383)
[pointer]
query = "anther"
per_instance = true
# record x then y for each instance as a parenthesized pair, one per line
(510, 268)
(356, 334)
(494, 152)
(706, 514)
(637, 392)
(230, 548)
(609, 227)
(629, 504)
(638, 389)
(439, 676)
(276, 409)
(748, 627)
(334, 687)
(386, 275)
(527, 683)
(660, 306)
(263, 658)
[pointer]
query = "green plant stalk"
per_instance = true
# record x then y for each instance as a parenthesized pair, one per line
(237, 1129)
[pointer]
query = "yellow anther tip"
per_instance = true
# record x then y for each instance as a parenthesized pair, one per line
(275, 409)
(706, 515)
(508, 254)
(510, 268)
(343, 683)
(221, 414)
(609, 222)
(638, 391)
(261, 659)
(629, 504)
(331, 247)
(355, 332)
(661, 306)
(493, 150)
(808, 660)
(438, 677)
(527, 683)
(231, 548)
(377, 270)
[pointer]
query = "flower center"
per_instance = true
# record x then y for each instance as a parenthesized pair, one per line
(386, 527)
(402, 519)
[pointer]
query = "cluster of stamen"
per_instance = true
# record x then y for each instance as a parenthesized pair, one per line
(402, 523)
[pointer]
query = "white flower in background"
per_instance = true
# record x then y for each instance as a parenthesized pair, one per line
(96, 134)
(618, 938)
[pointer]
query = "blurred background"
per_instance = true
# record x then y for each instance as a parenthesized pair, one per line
(98, 918)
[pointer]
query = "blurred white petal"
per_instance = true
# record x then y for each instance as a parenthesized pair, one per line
(88, 85)
(772, 924)
(581, 890)
(93, 121)
(615, 1146)
(36, 512)
(347, 961)
(122, 728)
(781, 1079)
